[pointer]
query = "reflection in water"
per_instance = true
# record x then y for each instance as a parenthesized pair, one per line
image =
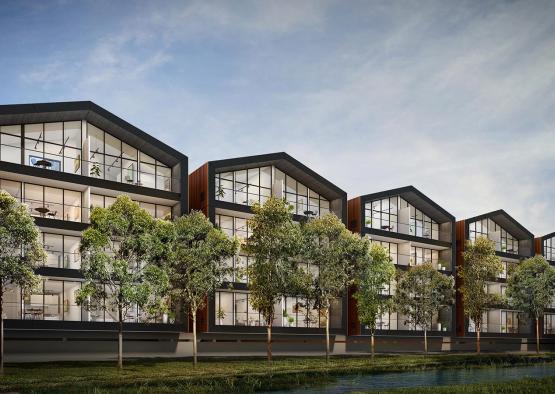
(350, 383)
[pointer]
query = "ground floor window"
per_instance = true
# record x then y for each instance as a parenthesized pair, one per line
(549, 324)
(509, 322)
(56, 300)
(233, 308)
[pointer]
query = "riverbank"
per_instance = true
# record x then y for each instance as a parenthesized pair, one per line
(230, 375)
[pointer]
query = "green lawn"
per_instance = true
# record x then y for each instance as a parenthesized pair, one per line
(226, 376)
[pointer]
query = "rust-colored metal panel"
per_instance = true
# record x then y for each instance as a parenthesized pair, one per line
(353, 215)
(198, 189)
(459, 307)
(538, 245)
(202, 319)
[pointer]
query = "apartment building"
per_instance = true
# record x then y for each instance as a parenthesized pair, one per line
(62, 159)
(415, 230)
(513, 243)
(225, 191)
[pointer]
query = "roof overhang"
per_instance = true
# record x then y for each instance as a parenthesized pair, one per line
(93, 113)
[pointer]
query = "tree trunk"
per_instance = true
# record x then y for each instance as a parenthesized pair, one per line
(425, 341)
(120, 339)
(194, 313)
(478, 330)
(327, 334)
(372, 345)
(537, 334)
(269, 343)
(1, 333)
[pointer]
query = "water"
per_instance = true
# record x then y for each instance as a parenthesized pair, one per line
(351, 383)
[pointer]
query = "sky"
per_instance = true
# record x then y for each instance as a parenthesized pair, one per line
(456, 98)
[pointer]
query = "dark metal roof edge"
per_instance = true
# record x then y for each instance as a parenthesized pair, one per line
(66, 106)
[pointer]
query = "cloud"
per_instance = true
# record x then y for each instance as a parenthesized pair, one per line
(454, 98)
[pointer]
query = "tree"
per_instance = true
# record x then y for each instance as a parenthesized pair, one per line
(421, 291)
(20, 252)
(530, 288)
(481, 265)
(275, 273)
(336, 253)
(372, 278)
(196, 264)
(116, 263)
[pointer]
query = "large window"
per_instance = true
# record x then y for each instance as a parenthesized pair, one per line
(48, 202)
(549, 324)
(234, 226)
(509, 322)
(10, 143)
(54, 146)
(549, 248)
(234, 309)
(114, 160)
(62, 251)
(244, 186)
(504, 241)
(255, 185)
(397, 215)
(424, 255)
(52, 300)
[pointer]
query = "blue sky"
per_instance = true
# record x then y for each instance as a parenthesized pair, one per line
(455, 98)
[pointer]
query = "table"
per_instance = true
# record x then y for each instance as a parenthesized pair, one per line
(42, 210)
(43, 163)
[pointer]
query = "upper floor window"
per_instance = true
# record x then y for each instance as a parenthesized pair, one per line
(114, 160)
(397, 215)
(257, 184)
(46, 202)
(504, 241)
(62, 251)
(549, 248)
(10, 143)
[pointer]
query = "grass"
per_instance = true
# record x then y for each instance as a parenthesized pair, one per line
(228, 375)
(520, 386)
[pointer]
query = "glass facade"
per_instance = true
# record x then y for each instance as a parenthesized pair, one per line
(504, 241)
(252, 185)
(44, 201)
(397, 215)
(58, 146)
(117, 161)
(233, 309)
(62, 251)
(56, 300)
(549, 324)
(549, 249)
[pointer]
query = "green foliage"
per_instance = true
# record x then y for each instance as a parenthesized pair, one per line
(481, 265)
(275, 243)
(196, 263)
(117, 253)
(531, 286)
(372, 278)
(20, 248)
(336, 253)
(421, 291)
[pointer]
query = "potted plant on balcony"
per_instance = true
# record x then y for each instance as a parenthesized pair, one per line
(220, 192)
(220, 314)
(95, 170)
